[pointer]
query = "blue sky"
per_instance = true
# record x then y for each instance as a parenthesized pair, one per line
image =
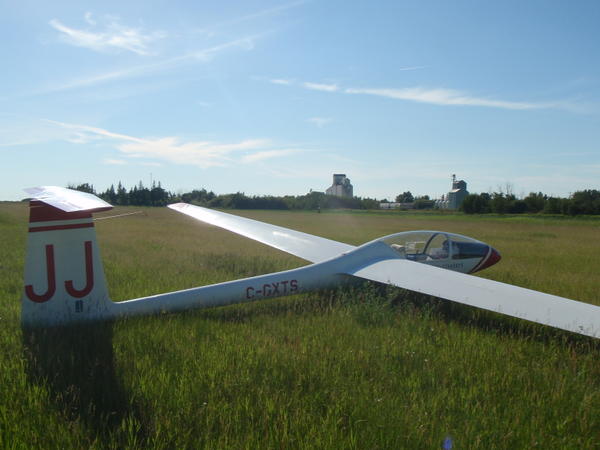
(274, 97)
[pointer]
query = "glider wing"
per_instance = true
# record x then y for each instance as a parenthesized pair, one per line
(527, 304)
(306, 246)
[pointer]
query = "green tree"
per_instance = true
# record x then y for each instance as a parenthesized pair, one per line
(476, 204)
(499, 203)
(122, 195)
(517, 206)
(83, 187)
(585, 202)
(535, 202)
(405, 197)
(423, 202)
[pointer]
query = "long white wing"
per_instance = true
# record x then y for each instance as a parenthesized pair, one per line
(559, 312)
(306, 246)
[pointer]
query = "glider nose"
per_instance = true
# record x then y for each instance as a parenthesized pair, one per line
(492, 258)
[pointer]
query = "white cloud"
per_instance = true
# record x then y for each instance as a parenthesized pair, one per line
(203, 154)
(202, 55)
(268, 154)
(320, 121)
(76, 137)
(435, 96)
(89, 132)
(21, 131)
(88, 18)
(404, 69)
(173, 149)
(114, 162)
(245, 43)
(251, 17)
(445, 97)
(321, 87)
(15, 143)
(113, 36)
(282, 81)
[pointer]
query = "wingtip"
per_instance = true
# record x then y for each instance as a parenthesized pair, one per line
(177, 206)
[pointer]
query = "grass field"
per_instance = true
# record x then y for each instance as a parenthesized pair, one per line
(368, 368)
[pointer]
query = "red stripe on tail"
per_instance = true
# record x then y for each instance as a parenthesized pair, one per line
(61, 227)
(42, 212)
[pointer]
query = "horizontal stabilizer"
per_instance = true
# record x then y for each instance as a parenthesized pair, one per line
(559, 312)
(68, 200)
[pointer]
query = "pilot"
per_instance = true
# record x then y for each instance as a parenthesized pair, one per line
(440, 253)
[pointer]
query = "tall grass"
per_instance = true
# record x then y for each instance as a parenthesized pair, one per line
(367, 367)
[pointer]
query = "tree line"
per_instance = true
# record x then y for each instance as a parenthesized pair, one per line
(586, 202)
(156, 195)
(581, 202)
(419, 202)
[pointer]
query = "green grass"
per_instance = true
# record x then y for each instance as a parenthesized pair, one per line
(363, 368)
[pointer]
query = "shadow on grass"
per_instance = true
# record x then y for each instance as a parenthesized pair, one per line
(373, 302)
(77, 366)
(317, 302)
(493, 323)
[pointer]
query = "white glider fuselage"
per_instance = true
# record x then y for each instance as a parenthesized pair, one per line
(324, 275)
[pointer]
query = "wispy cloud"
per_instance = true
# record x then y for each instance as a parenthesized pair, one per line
(267, 12)
(114, 162)
(252, 16)
(321, 87)
(434, 96)
(405, 69)
(445, 97)
(88, 17)
(22, 131)
(112, 36)
(198, 56)
(320, 121)
(282, 81)
(87, 133)
(203, 154)
(173, 149)
(268, 154)
(18, 142)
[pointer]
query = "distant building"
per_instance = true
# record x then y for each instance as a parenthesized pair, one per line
(455, 197)
(396, 205)
(341, 186)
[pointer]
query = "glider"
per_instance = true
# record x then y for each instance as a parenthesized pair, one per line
(65, 283)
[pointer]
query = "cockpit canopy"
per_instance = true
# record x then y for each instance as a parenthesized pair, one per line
(447, 250)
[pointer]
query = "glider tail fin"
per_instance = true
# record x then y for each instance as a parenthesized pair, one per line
(64, 278)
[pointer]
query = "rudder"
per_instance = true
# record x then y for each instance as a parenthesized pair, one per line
(64, 277)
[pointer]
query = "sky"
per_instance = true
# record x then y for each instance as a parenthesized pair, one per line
(273, 97)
